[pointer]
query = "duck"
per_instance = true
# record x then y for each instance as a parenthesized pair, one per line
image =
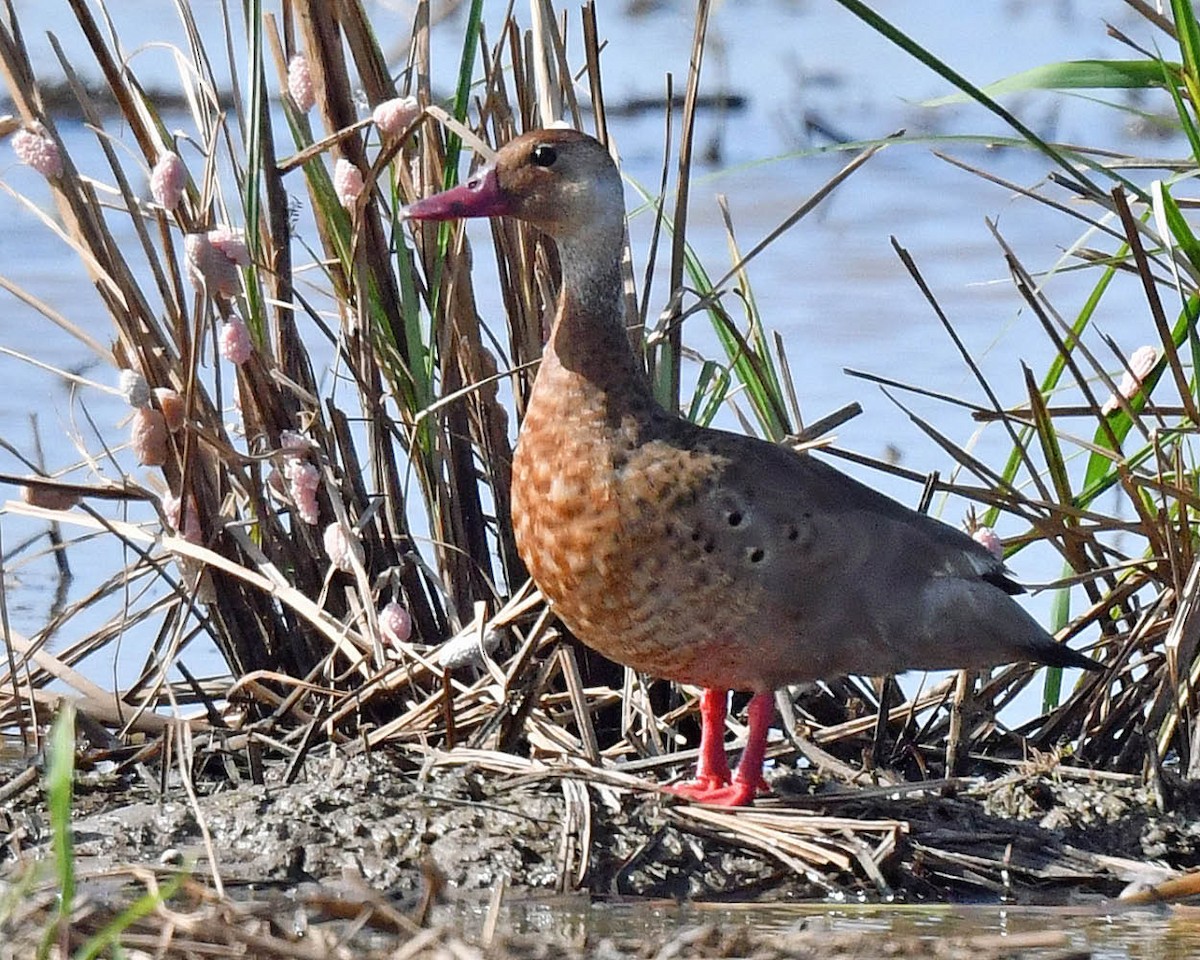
(698, 555)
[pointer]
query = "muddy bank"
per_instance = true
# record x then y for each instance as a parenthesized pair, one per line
(391, 817)
(424, 855)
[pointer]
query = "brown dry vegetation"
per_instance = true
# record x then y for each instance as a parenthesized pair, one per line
(416, 431)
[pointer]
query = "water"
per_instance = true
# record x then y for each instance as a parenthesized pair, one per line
(1099, 932)
(832, 286)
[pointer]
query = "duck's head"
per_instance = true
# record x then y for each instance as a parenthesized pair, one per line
(562, 181)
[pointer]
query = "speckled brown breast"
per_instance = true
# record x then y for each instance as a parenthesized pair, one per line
(609, 522)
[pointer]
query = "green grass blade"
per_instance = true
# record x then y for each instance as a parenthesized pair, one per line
(1060, 616)
(462, 91)
(1101, 474)
(1058, 366)
(712, 386)
(1181, 231)
(60, 792)
(253, 172)
(462, 100)
(1185, 120)
(755, 370)
(1188, 31)
(886, 29)
(1043, 426)
(1056, 467)
(143, 906)
(751, 362)
(1077, 75)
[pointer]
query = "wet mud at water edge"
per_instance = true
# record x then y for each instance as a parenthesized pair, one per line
(421, 831)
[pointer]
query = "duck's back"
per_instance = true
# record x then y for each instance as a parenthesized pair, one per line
(721, 560)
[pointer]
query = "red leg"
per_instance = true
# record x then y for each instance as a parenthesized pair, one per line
(748, 779)
(712, 769)
(749, 771)
(713, 766)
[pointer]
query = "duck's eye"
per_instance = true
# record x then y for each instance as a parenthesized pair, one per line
(543, 155)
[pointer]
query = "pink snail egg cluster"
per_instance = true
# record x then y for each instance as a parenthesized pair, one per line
(235, 342)
(300, 83)
(167, 180)
(394, 116)
(347, 183)
(37, 149)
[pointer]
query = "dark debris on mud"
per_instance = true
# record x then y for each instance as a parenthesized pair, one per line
(355, 853)
(349, 859)
(388, 817)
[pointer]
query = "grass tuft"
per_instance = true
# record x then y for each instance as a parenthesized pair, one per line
(381, 401)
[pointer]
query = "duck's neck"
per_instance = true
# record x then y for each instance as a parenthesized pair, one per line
(589, 339)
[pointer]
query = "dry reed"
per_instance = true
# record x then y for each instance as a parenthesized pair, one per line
(416, 428)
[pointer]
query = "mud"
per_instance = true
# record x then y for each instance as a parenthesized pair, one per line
(387, 820)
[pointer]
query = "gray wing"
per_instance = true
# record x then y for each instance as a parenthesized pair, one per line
(852, 581)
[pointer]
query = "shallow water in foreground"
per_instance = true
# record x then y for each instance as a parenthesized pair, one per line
(1099, 931)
